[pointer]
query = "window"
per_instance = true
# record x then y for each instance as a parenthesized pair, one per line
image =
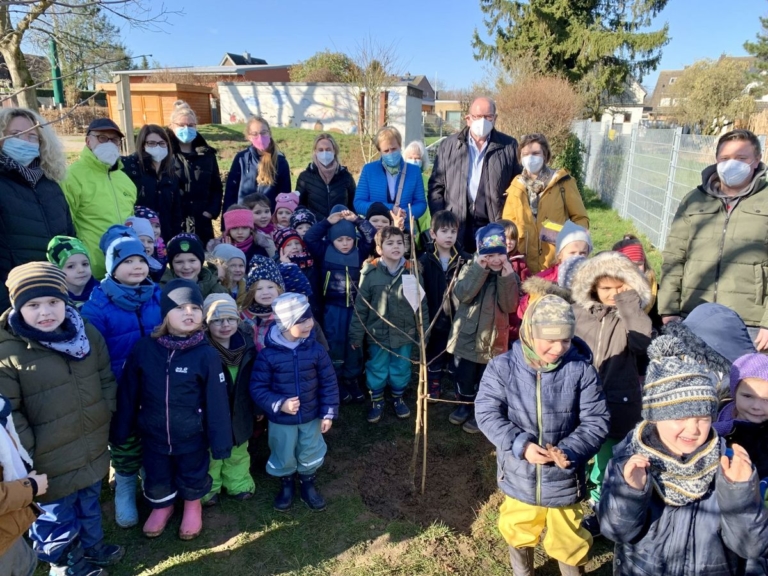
(672, 81)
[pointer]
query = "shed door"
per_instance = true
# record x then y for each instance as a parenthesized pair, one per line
(152, 109)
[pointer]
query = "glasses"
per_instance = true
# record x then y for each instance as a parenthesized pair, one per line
(262, 133)
(103, 139)
(155, 144)
(222, 321)
(30, 137)
(488, 117)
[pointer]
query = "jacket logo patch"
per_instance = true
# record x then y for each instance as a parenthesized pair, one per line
(180, 370)
(221, 377)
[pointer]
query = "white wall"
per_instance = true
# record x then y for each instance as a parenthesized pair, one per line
(615, 117)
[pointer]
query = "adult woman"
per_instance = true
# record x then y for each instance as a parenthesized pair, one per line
(389, 180)
(33, 208)
(259, 168)
(325, 182)
(538, 197)
(198, 173)
(151, 169)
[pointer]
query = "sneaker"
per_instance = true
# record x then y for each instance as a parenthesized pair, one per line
(460, 415)
(352, 389)
(345, 396)
(470, 426)
(374, 414)
(104, 554)
(401, 410)
(591, 524)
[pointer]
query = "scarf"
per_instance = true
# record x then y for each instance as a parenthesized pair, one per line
(172, 342)
(69, 340)
(260, 322)
(327, 172)
(269, 229)
(233, 355)
(526, 341)
(394, 170)
(678, 480)
(302, 260)
(129, 298)
(349, 260)
(31, 174)
(245, 245)
(534, 186)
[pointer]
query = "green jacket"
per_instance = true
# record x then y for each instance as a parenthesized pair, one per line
(713, 256)
(207, 281)
(384, 293)
(98, 197)
(480, 329)
(61, 408)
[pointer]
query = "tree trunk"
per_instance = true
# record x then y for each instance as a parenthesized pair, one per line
(20, 76)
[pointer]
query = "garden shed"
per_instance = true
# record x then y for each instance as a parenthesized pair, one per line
(153, 103)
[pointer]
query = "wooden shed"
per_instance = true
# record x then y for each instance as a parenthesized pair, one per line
(153, 103)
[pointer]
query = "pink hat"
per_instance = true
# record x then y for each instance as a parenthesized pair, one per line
(239, 218)
(289, 200)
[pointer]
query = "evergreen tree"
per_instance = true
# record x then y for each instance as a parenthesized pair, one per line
(759, 50)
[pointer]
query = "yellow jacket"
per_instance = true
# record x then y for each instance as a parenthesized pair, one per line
(560, 201)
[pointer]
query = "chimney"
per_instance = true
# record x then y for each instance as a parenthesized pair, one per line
(247, 56)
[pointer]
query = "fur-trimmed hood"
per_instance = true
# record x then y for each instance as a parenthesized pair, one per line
(536, 287)
(613, 265)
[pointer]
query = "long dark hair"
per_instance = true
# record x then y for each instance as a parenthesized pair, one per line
(166, 166)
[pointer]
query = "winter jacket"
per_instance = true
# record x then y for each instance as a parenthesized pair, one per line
(320, 197)
(99, 197)
(517, 404)
(120, 328)
(384, 292)
(560, 201)
(521, 269)
(712, 255)
(617, 335)
(159, 193)
(306, 371)
(450, 173)
(61, 408)
(238, 187)
(436, 282)
(176, 399)
(207, 281)
(372, 187)
(480, 329)
(710, 536)
(200, 184)
(16, 516)
(29, 218)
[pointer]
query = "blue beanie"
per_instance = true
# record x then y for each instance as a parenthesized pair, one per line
(342, 227)
(263, 268)
(118, 244)
(490, 239)
(295, 280)
(572, 233)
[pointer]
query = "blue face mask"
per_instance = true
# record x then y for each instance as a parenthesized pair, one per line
(20, 150)
(392, 159)
(186, 134)
(414, 161)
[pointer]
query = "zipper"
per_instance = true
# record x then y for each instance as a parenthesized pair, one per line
(540, 425)
(114, 196)
(596, 361)
(167, 402)
(327, 279)
(346, 284)
(42, 211)
(722, 247)
(141, 325)
(296, 379)
(328, 189)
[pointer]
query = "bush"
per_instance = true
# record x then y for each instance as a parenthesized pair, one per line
(324, 66)
(78, 122)
(571, 157)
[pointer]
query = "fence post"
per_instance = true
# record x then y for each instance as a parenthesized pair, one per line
(665, 213)
(630, 161)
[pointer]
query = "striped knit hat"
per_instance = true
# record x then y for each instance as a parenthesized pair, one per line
(60, 248)
(218, 306)
(291, 309)
(35, 280)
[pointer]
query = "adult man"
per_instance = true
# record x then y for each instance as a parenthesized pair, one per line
(99, 193)
(472, 171)
(717, 249)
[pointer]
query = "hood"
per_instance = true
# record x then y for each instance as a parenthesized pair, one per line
(536, 287)
(274, 338)
(709, 177)
(578, 351)
(615, 265)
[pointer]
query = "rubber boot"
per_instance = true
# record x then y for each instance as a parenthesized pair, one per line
(157, 521)
(434, 390)
(72, 562)
(192, 521)
(309, 494)
(521, 560)
(568, 570)
(284, 499)
(126, 514)
(463, 412)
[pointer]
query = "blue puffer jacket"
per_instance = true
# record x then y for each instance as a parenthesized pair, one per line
(121, 329)
(372, 187)
(306, 371)
(566, 408)
(710, 536)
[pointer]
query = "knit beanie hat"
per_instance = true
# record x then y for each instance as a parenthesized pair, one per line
(294, 279)
(178, 292)
(379, 209)
(285, 235)
(186, 243)
(60, 248)
(552, 318)
(142, 226)
(676, 386)
(263, 268)
(227, 252)
(342, 227)
(239, 218)
(290, 309)
(572, 233)
(35, 280)
(490, 240)
(144, 212)
(567, 269)
(218, 306)
(634, 252)
(118, 244)
(289, 200)
(748, 366)
(302, 216)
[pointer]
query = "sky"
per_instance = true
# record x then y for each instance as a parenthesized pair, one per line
(431, 37)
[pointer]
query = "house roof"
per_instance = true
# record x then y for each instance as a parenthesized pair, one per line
(663, 87)
(39, 67)
(244, 59)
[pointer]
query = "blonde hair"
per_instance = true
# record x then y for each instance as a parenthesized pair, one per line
(386, 134)
(53, 163)
(267, 174)
(181, 108)
(250, 296)
(165, 329)
(331, 139)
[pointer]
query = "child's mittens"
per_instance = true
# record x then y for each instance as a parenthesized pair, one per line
(558, 457)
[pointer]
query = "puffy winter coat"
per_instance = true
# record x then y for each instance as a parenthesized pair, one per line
(159, 193)
(710, 536)
(29, 218)
(480, 329)
(238, 186)
(306, 371)
(15, 514)
(61, 408)
(617, 335)
(558, 202)
(176, 399)
(99, 197)
(372, 187)
(436, 282)
(517, 404)
(121, 329)
(207, 281)
(320, 197)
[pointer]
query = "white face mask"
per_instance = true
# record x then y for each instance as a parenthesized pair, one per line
(325, 157)
(157, 153)
(107, 153)
(481, 127)
(733, 172)
(533, 164)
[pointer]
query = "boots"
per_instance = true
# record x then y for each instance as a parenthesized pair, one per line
(192, 521)
(284, 499)
(568, 570)
(352, 386)
(104, 554)
(73, 563)
(309, 494)
(521, 560)
(374, 414)
(463, 412)
(470, 426)
(157, 521)
(126, 514)
(434, 389)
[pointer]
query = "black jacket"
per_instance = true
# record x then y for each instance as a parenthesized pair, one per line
(29, 218)
(436, 281)
(161, 194)
(320, 197)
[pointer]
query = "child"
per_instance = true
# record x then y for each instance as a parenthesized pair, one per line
(302, 220)
(72, 257)
(144, 231)
(334, 242)
(160, 254)
(186, 259)
(173, 393)
(238, 232)
(440, 266)
(381, 297)
(294, 383)
(18, 489)
(234, 261)
(673, 500)
(291, 249)
(542, 406)
(237, 353)
(56, 375)
(289, 245)
(487, 291)
(517, 259)
(261, 209)
(263, 286)
(379, 215)
(632, 248)
(609, 294)
(285, 205)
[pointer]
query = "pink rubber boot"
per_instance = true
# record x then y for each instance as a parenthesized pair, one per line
(157, 521)
(192, 522)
